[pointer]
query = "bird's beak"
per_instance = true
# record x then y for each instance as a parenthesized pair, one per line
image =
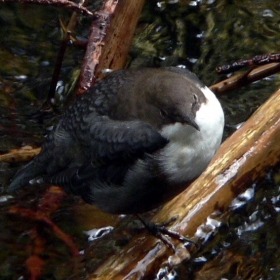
(194, 124)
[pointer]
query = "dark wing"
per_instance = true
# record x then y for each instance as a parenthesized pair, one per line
(110, 140)
(103, 149)
(112, 147)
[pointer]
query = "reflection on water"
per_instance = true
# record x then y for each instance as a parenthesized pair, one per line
(96, 233)
(199, 35)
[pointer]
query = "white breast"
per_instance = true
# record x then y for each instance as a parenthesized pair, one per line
(189, 150)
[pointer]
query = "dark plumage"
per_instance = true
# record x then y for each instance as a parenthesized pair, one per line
(127, 144)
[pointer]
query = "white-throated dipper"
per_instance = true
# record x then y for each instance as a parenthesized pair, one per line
(132, 141)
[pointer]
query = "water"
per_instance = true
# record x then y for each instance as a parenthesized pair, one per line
(197, 34)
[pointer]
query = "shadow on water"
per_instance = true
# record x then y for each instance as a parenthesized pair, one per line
(198, 34)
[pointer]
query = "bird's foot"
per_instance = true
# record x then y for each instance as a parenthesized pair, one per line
(161, 232)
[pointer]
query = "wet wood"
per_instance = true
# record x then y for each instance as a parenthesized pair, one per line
(21, 154)
(260, 59)
(242, 158)
(109, 41)
(228, 261)
(246, 78)
(118, 40)
(96, 41)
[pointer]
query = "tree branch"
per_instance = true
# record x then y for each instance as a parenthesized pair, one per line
(109, 40)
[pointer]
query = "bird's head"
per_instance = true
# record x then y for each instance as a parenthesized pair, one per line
(176, 100)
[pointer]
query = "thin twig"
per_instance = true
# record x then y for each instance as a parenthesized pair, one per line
(242, 79)
(59, 3)
(260, 59)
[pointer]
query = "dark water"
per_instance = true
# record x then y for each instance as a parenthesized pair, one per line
(197, 34)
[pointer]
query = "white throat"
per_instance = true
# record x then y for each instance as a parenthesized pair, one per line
(189, 150)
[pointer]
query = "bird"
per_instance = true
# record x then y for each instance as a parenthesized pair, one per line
(133, 141)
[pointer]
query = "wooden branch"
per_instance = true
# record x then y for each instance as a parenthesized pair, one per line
(259, 59)
(109, 40)
(242, 158)
(98, 30)
(118, 40)
(243, 79)
(22, 154)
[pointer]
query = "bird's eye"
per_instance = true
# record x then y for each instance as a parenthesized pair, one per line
(195, 97)
(195, 104)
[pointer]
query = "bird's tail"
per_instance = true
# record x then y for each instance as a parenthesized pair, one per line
(23, 176)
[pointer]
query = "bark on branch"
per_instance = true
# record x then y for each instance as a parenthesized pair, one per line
(246, 78)
(109, 40)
